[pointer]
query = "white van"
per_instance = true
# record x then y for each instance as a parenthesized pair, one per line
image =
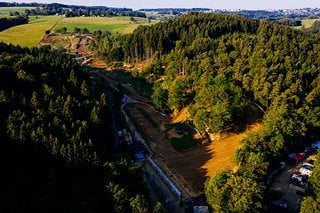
(306, 169)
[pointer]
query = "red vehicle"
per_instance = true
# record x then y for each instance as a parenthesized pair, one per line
(299, 156)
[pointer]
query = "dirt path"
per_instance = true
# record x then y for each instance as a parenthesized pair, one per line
(51, 28)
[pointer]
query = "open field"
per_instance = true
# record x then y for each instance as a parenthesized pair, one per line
(28, 35)
(111, 24)
(5, 11)
(307, 23)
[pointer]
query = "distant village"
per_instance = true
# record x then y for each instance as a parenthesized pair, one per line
(157, 13)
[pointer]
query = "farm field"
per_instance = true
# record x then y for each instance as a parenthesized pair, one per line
(121, 25)
(29, 35)
(5, 11)
(306, 23)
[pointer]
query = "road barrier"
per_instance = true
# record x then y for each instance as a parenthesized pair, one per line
(134, 132)
(138, 137)
(165, 179)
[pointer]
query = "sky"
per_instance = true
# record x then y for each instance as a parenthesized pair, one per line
(214, 4)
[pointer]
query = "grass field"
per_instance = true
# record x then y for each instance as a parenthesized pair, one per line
(112, 24)
(28, 35)
(307, 23)
(5, 11)
(186, 141)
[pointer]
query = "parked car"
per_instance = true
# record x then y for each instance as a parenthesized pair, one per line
(296, 157)
(311, 162)
(299, 156)
(299, 180)
(316, 145)
(308, 150)
(305, 171)
(308, 164)
(298, 177)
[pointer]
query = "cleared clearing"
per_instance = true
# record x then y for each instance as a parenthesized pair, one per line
(191, 168)
(306, 23)
(223, 152)
(28, 35)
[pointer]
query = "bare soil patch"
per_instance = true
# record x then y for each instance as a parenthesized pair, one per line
(191, 168)
(73, 44)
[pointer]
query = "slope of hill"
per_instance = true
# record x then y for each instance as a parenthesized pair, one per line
(220, 65)
(56, 141)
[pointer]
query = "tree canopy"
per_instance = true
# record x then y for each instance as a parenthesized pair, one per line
(56, 141)
(221, 65)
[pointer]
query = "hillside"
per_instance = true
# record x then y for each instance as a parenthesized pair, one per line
(219, 66)
(56, 139)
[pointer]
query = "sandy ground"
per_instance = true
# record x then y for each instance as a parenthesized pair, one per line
(191, 168)
(76, 45)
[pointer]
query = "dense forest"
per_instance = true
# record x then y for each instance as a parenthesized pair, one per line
(219, 66)
(6, 23)
(56, 140)
(315, 27)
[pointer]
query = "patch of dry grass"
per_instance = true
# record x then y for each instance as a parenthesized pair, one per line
(223, 152)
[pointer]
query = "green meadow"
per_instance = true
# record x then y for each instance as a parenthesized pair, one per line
(306, 23)
(29, 35)
(114, 25)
